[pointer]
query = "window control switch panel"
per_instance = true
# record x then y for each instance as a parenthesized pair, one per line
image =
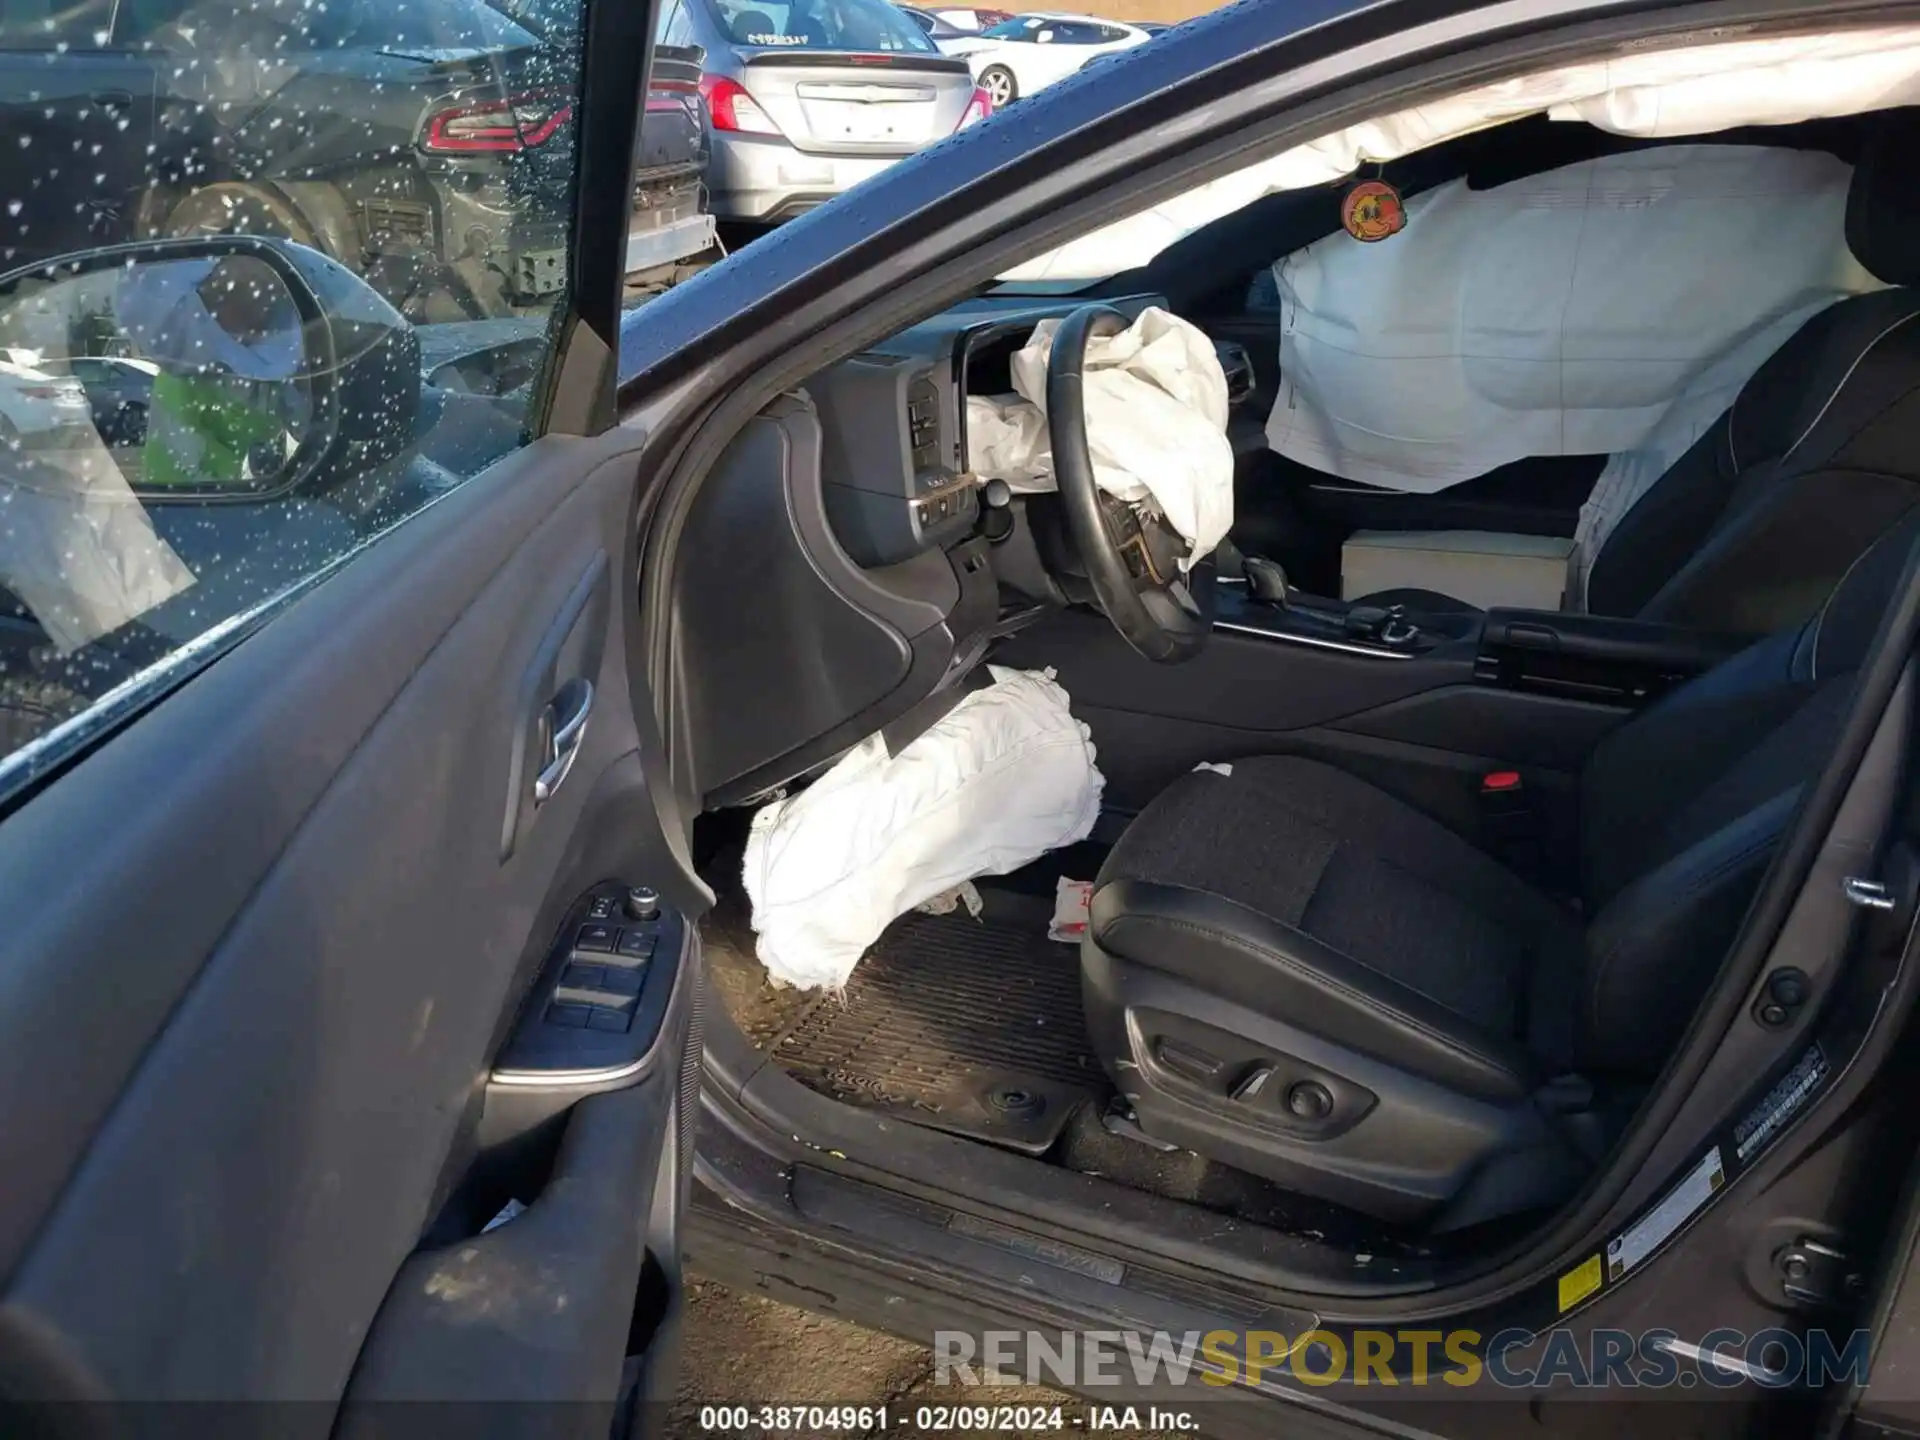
(604, 990)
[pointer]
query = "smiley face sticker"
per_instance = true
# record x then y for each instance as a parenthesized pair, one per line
(1372, 211)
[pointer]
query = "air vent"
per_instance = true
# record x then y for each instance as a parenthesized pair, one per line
(923, 424)
(1233, 360)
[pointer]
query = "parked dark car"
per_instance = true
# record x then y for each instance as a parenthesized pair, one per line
(670, 229)
(427, 145)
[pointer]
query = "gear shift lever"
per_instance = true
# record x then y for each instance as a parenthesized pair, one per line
(1266, 581)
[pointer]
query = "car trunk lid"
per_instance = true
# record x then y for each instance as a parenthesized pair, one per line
(849, 103)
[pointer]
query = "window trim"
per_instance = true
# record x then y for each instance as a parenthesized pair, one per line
(575, 393)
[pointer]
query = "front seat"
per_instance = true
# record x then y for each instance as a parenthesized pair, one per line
(1295, 973)
(1817, 457)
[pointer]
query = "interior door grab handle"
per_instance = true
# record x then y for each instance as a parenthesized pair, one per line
(1867, 894)
(563, 726)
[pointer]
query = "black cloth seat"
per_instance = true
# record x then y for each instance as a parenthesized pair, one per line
(1294, 972)
(1818, 456)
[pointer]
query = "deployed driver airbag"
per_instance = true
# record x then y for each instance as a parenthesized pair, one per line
(1156, 403)
(1004, 777)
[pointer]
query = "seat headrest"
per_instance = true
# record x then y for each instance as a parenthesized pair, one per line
(1883, 203)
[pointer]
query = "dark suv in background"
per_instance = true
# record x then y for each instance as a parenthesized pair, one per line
(424, 143)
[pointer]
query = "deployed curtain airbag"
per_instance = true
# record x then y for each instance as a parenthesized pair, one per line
(1692, 90)
(1613, 307)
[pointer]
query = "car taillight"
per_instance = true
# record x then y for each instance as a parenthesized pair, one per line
(978, 108)
(733, 108)
(518, 123)
(48, 392)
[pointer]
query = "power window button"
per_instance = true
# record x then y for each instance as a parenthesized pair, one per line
(623, 979)
(596, 937)
(569, 1017)
(638, 944)
(603, 1017)
(583, 977)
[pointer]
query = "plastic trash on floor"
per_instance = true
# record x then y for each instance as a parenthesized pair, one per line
(1156, 402)
(1007, 775)
(1071, 899)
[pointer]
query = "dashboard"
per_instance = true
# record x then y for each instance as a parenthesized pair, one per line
(894, 458)
(848, 510)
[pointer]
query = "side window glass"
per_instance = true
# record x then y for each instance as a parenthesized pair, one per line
(143, 24)
(676, 25)
(353, 225)
(49, 24)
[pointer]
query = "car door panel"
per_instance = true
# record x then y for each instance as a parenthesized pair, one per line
(98, 103)
(297, 952)
(539, 1309)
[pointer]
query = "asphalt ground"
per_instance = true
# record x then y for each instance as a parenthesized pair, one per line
(744, 1350)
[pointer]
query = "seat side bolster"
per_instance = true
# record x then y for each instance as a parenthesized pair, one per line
(1653, 951)
(1238, 954)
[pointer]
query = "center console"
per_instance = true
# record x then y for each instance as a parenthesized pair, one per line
(1599, 658)
(1262, 605)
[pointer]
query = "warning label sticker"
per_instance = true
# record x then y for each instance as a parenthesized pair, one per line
(1578, 1283)
(1777, 1107)
(1647, 1234)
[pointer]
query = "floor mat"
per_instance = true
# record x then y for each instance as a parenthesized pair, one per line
(972, 1026)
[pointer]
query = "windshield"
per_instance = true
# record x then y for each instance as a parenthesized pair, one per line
(869, 25)
(1017, 28)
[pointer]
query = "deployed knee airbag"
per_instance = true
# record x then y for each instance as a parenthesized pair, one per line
(1004, 777)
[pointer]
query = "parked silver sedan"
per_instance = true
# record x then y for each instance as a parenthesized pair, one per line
(809, 97)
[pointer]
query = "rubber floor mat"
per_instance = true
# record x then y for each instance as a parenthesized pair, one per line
(971, 1026)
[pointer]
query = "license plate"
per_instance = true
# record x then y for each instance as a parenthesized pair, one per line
(873, 122)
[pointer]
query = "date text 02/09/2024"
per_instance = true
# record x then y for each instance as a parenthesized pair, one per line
(872, 1419)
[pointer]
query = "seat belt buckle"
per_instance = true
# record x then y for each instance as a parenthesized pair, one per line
(1507, 817)
(1503, 792)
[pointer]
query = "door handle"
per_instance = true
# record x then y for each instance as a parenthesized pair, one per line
(112, 99)
(563, 725)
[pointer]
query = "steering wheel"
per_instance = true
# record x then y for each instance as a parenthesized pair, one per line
(1132, 563)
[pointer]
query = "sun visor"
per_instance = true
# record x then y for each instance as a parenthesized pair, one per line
(1611, 307)
(1691, 91)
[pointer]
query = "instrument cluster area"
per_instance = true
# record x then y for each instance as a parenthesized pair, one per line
(893, 458)
(895, 464)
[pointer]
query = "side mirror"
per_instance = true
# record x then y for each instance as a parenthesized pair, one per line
(164, 380)
(229, 367)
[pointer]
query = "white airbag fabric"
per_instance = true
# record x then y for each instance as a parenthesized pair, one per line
(1156, 410)
(1004, 777)
(1607, 306)
(1685, 91)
